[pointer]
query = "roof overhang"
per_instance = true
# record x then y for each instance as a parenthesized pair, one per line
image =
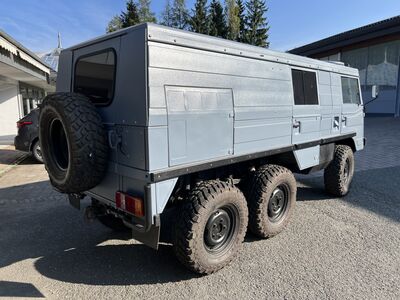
(385, 28)
(15, 50)
(13, 73)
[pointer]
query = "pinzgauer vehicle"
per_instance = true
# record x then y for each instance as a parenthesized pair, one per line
(200, 136)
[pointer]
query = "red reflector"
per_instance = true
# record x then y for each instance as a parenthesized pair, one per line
(22, 124)
(130, 204)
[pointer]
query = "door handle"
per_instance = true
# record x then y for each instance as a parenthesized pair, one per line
(296, 124)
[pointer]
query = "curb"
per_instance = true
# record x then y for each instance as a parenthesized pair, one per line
(13, 165)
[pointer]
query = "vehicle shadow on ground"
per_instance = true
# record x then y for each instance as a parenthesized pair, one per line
(114, 265)
(8, 156)
(384, 183)
(30, 160)
(47, 229)
(19, 289)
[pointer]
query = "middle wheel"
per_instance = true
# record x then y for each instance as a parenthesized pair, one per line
(211, 226)
(271, 196)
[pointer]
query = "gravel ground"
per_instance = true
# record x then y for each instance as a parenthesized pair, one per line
(333, 248)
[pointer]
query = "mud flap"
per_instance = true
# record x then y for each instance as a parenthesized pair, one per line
(149, 238)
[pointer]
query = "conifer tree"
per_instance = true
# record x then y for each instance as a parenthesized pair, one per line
(198, 21)
(256, 31)
(179, 14)
(242, 18)
(114, 24)
(233, 20)
(130, 17)
(166, 15)
(144, 12)
(217, 20)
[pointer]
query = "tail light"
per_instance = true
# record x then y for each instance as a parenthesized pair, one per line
(133, 205)
(21, 124)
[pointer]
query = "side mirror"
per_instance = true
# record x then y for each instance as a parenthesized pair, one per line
(375, 91)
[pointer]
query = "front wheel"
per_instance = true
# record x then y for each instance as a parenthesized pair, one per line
(211, 227)
(339, 174)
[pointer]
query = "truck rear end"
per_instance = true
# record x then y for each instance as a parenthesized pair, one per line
(105, 82)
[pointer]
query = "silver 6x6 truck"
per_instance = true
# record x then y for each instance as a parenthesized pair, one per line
(197, 135)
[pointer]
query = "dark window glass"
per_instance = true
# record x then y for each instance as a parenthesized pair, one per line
(94, 76)
(298, 87)
(350, 90)
(305, 87)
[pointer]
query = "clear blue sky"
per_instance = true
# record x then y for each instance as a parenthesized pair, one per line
(293, 23)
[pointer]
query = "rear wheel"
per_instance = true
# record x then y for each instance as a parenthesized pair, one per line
(211, 227)
(37, 152)
(271, 196)
(339, 174)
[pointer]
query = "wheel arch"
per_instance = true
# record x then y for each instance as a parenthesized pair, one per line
(348, 142)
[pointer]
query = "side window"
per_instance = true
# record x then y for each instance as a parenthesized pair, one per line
(304, 87)
(350, 90)
(95, 76)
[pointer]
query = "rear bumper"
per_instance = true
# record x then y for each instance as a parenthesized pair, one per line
(21, 145)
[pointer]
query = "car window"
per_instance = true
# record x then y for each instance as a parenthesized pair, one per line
(95, 76)
(304, 87)
(350, 90)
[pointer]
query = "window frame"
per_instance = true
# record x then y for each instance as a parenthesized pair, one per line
(358, 86)
(316, 85)
(109, 49)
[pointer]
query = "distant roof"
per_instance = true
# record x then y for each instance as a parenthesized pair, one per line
(374, 30)
(51, 58)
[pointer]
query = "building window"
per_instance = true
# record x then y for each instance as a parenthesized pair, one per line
(350, 90)
(358, 59)
(95, 76)
(383, 62)
(31, 97)
(304, 87)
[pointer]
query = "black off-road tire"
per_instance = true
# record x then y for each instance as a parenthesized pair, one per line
(263, 186)
(113, 223)
(337, 180)
(73, 141)
(202, 205)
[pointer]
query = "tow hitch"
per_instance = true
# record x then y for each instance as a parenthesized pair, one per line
(75, 200)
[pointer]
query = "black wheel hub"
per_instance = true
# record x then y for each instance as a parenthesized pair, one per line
(219, 229)
(278, 203)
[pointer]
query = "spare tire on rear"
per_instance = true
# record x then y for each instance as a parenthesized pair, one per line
(74, 142)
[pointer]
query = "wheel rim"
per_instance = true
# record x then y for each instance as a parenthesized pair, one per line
(59, 144)
(221, 228)
(346, 171)
(278, 203)
(38, 151)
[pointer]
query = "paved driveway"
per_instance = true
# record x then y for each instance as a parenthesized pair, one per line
(334, 248)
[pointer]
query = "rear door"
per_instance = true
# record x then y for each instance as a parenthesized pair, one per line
(306, 109)
(352, 109)
(94, 74)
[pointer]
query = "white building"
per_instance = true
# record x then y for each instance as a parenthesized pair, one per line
(24, 81)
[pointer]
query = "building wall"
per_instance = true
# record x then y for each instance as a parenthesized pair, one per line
(378, 65)
(9, 112)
